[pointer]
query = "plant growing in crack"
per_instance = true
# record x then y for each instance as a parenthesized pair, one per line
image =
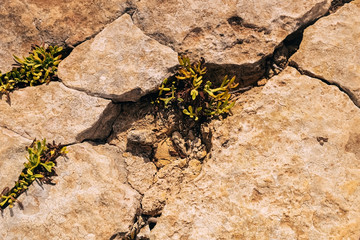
(196, 96)
(38, 68)
(40, 166)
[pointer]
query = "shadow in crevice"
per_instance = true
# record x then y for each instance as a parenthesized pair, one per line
(101, 129)
(336, 4)
(279, 60)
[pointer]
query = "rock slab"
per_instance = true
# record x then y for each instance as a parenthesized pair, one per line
(334, 54)
(91, 199)
(121, 63)
(61, 22)
(286, 165)
(57, 113)
(236, 34)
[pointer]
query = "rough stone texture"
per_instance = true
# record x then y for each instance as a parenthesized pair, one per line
(141, 172)
(120, 63)
(334, 54)
(284, 166)
(12, 152)
(132, 116)
(57, 113)
(142, 137)
(154, 170)
(91, 199)
(24, 23)
(237, 34)
(167, 182)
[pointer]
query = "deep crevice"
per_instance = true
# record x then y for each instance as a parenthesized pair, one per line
(336, 4)
(278, 61)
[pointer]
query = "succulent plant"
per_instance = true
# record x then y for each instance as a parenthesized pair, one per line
(193, 94)
(38, 68)
(40, 165)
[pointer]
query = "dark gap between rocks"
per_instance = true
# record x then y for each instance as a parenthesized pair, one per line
(278, 61)
(66, 51)
(140, 221)
(336, 4)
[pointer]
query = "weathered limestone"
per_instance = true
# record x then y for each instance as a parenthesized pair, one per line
(330, 50)
(120, 63)
(57, 113)
(91, 199)
(286, 165)
(12, 155)
(24, 23)
(236, 34)
(141, 172)
(14, 23)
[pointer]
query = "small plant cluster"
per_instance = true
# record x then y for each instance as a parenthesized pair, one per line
(40, 165)
(38, 68)
(194, 94)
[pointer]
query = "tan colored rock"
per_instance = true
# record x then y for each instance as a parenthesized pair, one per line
(162, 163)
(330, 50)
(17, 28)
(141, 172)
(194, 169)
(142, 137)
(269, 176)
(91, 199)
(167, 182)
(134, 116)
(57, 113)
(12, 156)
(236, 34)
(165, 151)
(55, 22)
(120, 63)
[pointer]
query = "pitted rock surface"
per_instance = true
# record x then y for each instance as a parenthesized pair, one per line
(12, 152)
(270, 176)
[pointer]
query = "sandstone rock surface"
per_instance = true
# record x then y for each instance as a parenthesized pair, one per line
(284, 166)
(12, 152)
(237, 34)
(141, 172)
(120, 63)
(56, 22)
(334, 54)
(57, 113)
(91, 199)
